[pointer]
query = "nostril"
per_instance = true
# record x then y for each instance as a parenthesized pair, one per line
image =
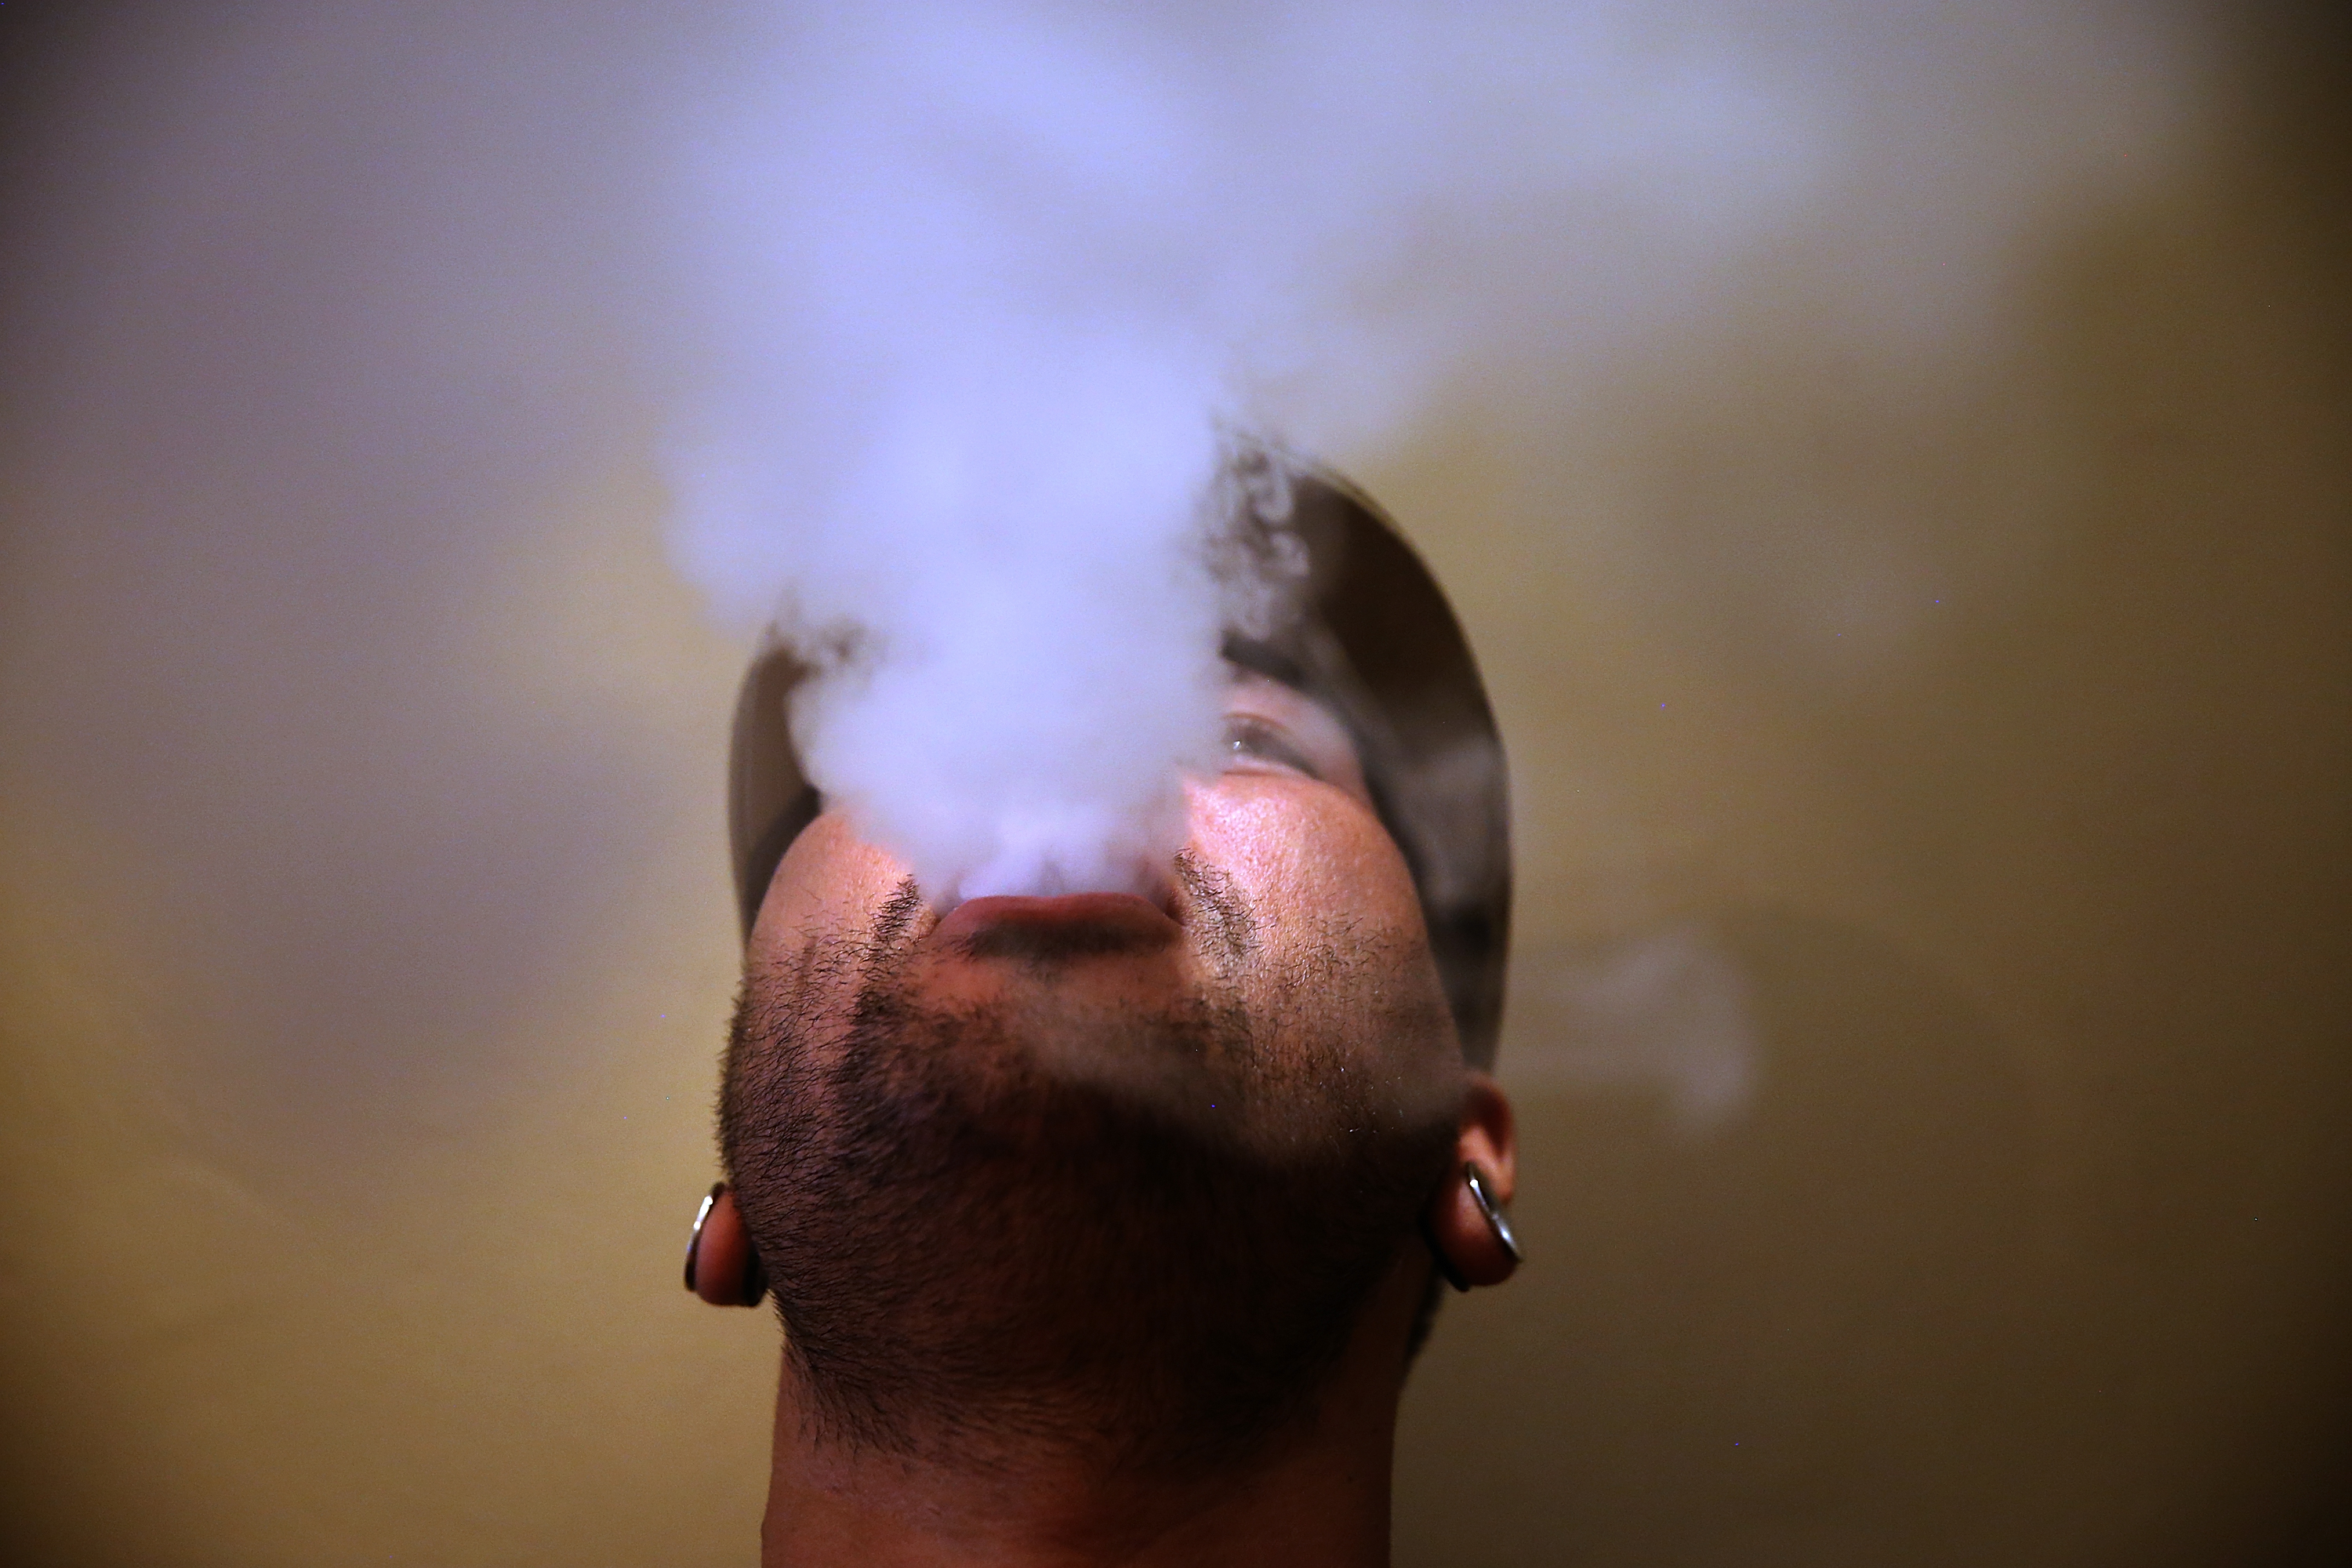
(1159, 887)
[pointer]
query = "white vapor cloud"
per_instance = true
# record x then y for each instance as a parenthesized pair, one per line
(974, 288)
(941, 307)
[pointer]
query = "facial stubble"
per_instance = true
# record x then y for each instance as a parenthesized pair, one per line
(1139, 1233)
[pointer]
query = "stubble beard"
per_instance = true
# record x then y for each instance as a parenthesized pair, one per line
(1139, 1235)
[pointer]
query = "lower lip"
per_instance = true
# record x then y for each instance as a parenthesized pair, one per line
(1121, 915)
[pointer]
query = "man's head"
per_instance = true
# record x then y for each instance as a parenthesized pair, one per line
(1120, 1175)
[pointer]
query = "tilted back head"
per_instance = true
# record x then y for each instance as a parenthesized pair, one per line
(1373, 637)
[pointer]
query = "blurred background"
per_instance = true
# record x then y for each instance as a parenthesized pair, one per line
(1932, 1015)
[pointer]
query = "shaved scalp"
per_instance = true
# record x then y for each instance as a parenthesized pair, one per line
(975, 1251)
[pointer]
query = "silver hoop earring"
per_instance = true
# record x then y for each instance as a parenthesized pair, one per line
(1476, 1180)
(694, 1242)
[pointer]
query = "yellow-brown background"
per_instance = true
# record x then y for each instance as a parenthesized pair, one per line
(365, 942)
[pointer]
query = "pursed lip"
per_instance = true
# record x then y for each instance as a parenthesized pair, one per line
(1100, 922)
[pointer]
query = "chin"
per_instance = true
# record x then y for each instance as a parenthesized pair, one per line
(1058, 1220)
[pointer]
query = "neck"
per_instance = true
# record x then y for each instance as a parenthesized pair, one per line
(1316, 1497)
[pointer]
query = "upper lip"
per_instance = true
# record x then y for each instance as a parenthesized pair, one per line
(1116, 919)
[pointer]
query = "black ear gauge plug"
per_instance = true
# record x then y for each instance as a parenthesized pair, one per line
(1446, 1269)
(755, 1279)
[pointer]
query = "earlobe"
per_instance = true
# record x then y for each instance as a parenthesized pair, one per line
(1468, 1233)
(721, 1266)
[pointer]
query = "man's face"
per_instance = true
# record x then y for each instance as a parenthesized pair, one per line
(1076, 1166)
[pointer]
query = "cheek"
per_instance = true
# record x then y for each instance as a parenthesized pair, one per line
(1344, 978)
(828, 887)
(1294, 846)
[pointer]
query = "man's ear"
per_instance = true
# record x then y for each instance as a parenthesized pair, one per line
(720, 1266)
(1464, 1219)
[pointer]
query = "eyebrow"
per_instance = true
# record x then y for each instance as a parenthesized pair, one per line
(1264, 659)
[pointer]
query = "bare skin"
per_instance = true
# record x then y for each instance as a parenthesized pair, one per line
(1288, 831)
(1320, 1498)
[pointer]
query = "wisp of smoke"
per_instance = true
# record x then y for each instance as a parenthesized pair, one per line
(1004, 599)
(976, 287)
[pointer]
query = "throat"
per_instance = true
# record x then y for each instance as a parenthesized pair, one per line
(1314, 1494)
